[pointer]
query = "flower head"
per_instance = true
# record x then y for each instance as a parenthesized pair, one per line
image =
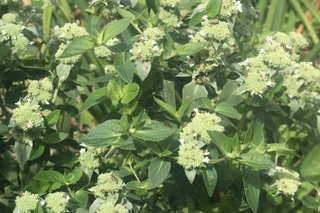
(57, 202)
(27, 202)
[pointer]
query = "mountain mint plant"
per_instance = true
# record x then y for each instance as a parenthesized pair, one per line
(129, 106)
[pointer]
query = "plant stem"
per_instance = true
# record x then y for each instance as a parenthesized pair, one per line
(134, 173)
(217, 161)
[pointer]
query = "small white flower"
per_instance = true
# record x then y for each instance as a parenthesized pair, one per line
(271, 84)
(288, 47)
(7, 38)
(56, 27)
(229, 14)
(190, 36)
(153, 42)
(203, 33)
(31, 42)
(195, 134)
(18, 103)
(173, 5)
(121, 6)
(155, 48)
(247, 60)
(262, 51)
(181, 141)
(269, 38)
(205, 17)
(115, 39)
(130, 50)
(42, 202)
(188, 57)
(83, 150)
(296, 76)
(30, 144)
(239, 6)
(206, 152)
(29, 125)
(191, 31)
(178, 25)
(196, 110)
(4, 32)
(191, 64)
(67, 198)
(263, 74)
(297, 65)
(206, 160)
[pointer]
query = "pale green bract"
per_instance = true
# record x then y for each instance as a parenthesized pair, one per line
(286, 181)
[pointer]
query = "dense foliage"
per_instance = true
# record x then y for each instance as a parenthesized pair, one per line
(155, 106)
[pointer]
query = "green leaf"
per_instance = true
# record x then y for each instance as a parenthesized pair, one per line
(221, 141)
(229, 94)
(255, 160)
(22, 153)
(213, 8)
(158, 171)
(94, 98)
(114, 91)
(113, 29)
(53, 118)
(75, 175)
(255, 133)
(310, 167)
(251, 183)
(227, 110)
(104, 134)
(165, 106)
(280, 149)
(38, 208)
(82, 199)
(310, 202)
(63, 71)
(153, 131)
(191, 48)
(124, 67)
(36, 151)
(134, 185)
(143, 69)
(79, 46)
(195, 91)
(294, 106)
(210, 177)
(184, 107)
(51, 176)
(8, 167)
(204, 103)
(55, 137)
(129, 91)
(196, 19)
(190, 174)
(165, 85)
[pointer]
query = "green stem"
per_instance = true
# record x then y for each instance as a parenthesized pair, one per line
(56, 91)
(134, 173)
(217, 161)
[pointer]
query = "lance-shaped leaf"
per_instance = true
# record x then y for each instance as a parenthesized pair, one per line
(113, 29)
(79, 46)
(153, 131)
(104, 134)
(158, 171)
